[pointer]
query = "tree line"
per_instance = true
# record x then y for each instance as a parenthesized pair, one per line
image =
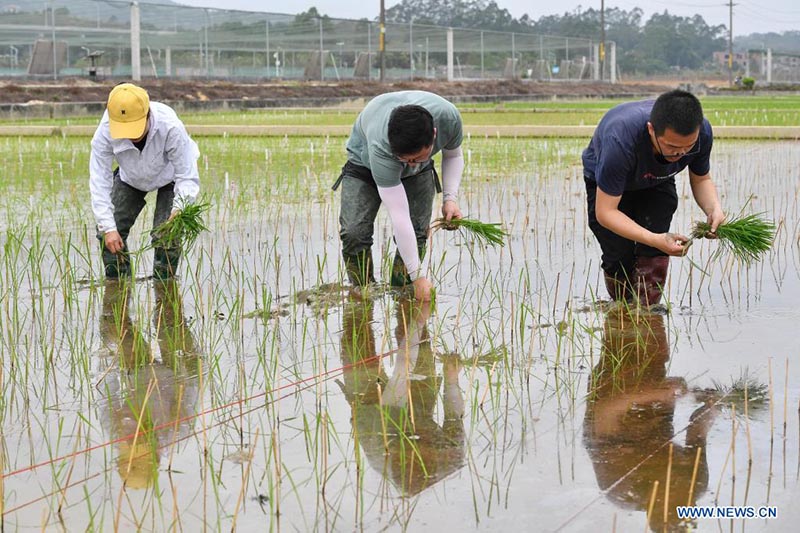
(661, 42)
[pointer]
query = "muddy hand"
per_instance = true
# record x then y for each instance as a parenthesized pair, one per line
(113, 242)
(673, 244)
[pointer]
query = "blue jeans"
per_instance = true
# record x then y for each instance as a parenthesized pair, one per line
(359, 207)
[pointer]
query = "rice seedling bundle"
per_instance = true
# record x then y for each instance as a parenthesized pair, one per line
(747, 238)
(488, 233)
(184, 228)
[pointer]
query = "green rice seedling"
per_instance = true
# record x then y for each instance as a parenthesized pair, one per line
(741, 389)
(747, 238)
(490, 233)
(185, 227)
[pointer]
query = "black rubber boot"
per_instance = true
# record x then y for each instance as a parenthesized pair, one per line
(359, 268)
(165, 263)
(400, 277)
(118, 268)
(651, 278)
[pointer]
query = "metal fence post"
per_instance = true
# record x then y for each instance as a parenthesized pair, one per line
(411, 47)
(449, 54)
(541, 48)
(369, 51)
(747, 63)
(53, 48)
(481, 54)
(136, 54)
(769, 65)
(612, 61)
(427, 74)
(266, 26)
(205, 35)
(321, 54)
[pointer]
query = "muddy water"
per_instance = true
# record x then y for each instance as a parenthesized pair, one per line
(258, 392)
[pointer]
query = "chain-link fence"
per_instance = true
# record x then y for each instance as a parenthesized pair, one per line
(767, 66)
(96, 38)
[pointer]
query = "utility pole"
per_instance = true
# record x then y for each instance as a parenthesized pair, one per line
(602, 53)
(730, 42)
(382, 42)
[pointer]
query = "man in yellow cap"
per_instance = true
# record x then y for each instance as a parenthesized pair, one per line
(154, 152)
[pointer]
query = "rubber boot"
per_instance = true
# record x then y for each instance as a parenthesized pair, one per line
(116, 265)
(359, 268)
(619, 289)
(165, 263)
(400, 277)
(651, 278)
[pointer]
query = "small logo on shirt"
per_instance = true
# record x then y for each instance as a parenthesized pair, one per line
(653, 177)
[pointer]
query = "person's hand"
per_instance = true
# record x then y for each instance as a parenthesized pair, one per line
(113, 242)
(175, 212)
(450, 211)
(421, 311)
(715, 218)
(422, 289)
(672, 244)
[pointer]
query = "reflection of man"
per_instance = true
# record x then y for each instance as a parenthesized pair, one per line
(393, 416)
(630, 416)
(143, 392)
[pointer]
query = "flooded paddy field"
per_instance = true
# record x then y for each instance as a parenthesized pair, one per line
(257, 392)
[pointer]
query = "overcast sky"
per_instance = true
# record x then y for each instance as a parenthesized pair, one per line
(748, 16)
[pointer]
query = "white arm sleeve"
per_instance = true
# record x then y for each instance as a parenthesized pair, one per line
(397, 204)
(182, 152)
(452, 168)
(101, 181)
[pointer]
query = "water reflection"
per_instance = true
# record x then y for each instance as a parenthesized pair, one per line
(393, 416)
(629, 421)
(143, 390)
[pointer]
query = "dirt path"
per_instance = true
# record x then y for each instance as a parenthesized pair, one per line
(81, 90)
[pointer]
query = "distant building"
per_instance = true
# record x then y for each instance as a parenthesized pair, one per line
(739, 59)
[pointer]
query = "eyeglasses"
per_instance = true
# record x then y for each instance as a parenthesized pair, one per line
(417, 160)
(695, 149)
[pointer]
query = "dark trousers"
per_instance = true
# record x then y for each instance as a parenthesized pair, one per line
(128, 204)
(650, 208)
(360, 203)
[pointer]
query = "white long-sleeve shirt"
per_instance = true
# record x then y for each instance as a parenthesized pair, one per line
(169, 155)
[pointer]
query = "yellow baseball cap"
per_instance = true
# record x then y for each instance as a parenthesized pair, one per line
(137, 463)
(128, 105)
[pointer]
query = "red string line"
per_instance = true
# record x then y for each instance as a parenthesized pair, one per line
(315, 377)
(185, 437)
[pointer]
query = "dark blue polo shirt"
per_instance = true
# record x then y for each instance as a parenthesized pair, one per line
(620, 156)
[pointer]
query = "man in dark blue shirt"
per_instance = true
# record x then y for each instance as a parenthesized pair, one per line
(629, 168)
